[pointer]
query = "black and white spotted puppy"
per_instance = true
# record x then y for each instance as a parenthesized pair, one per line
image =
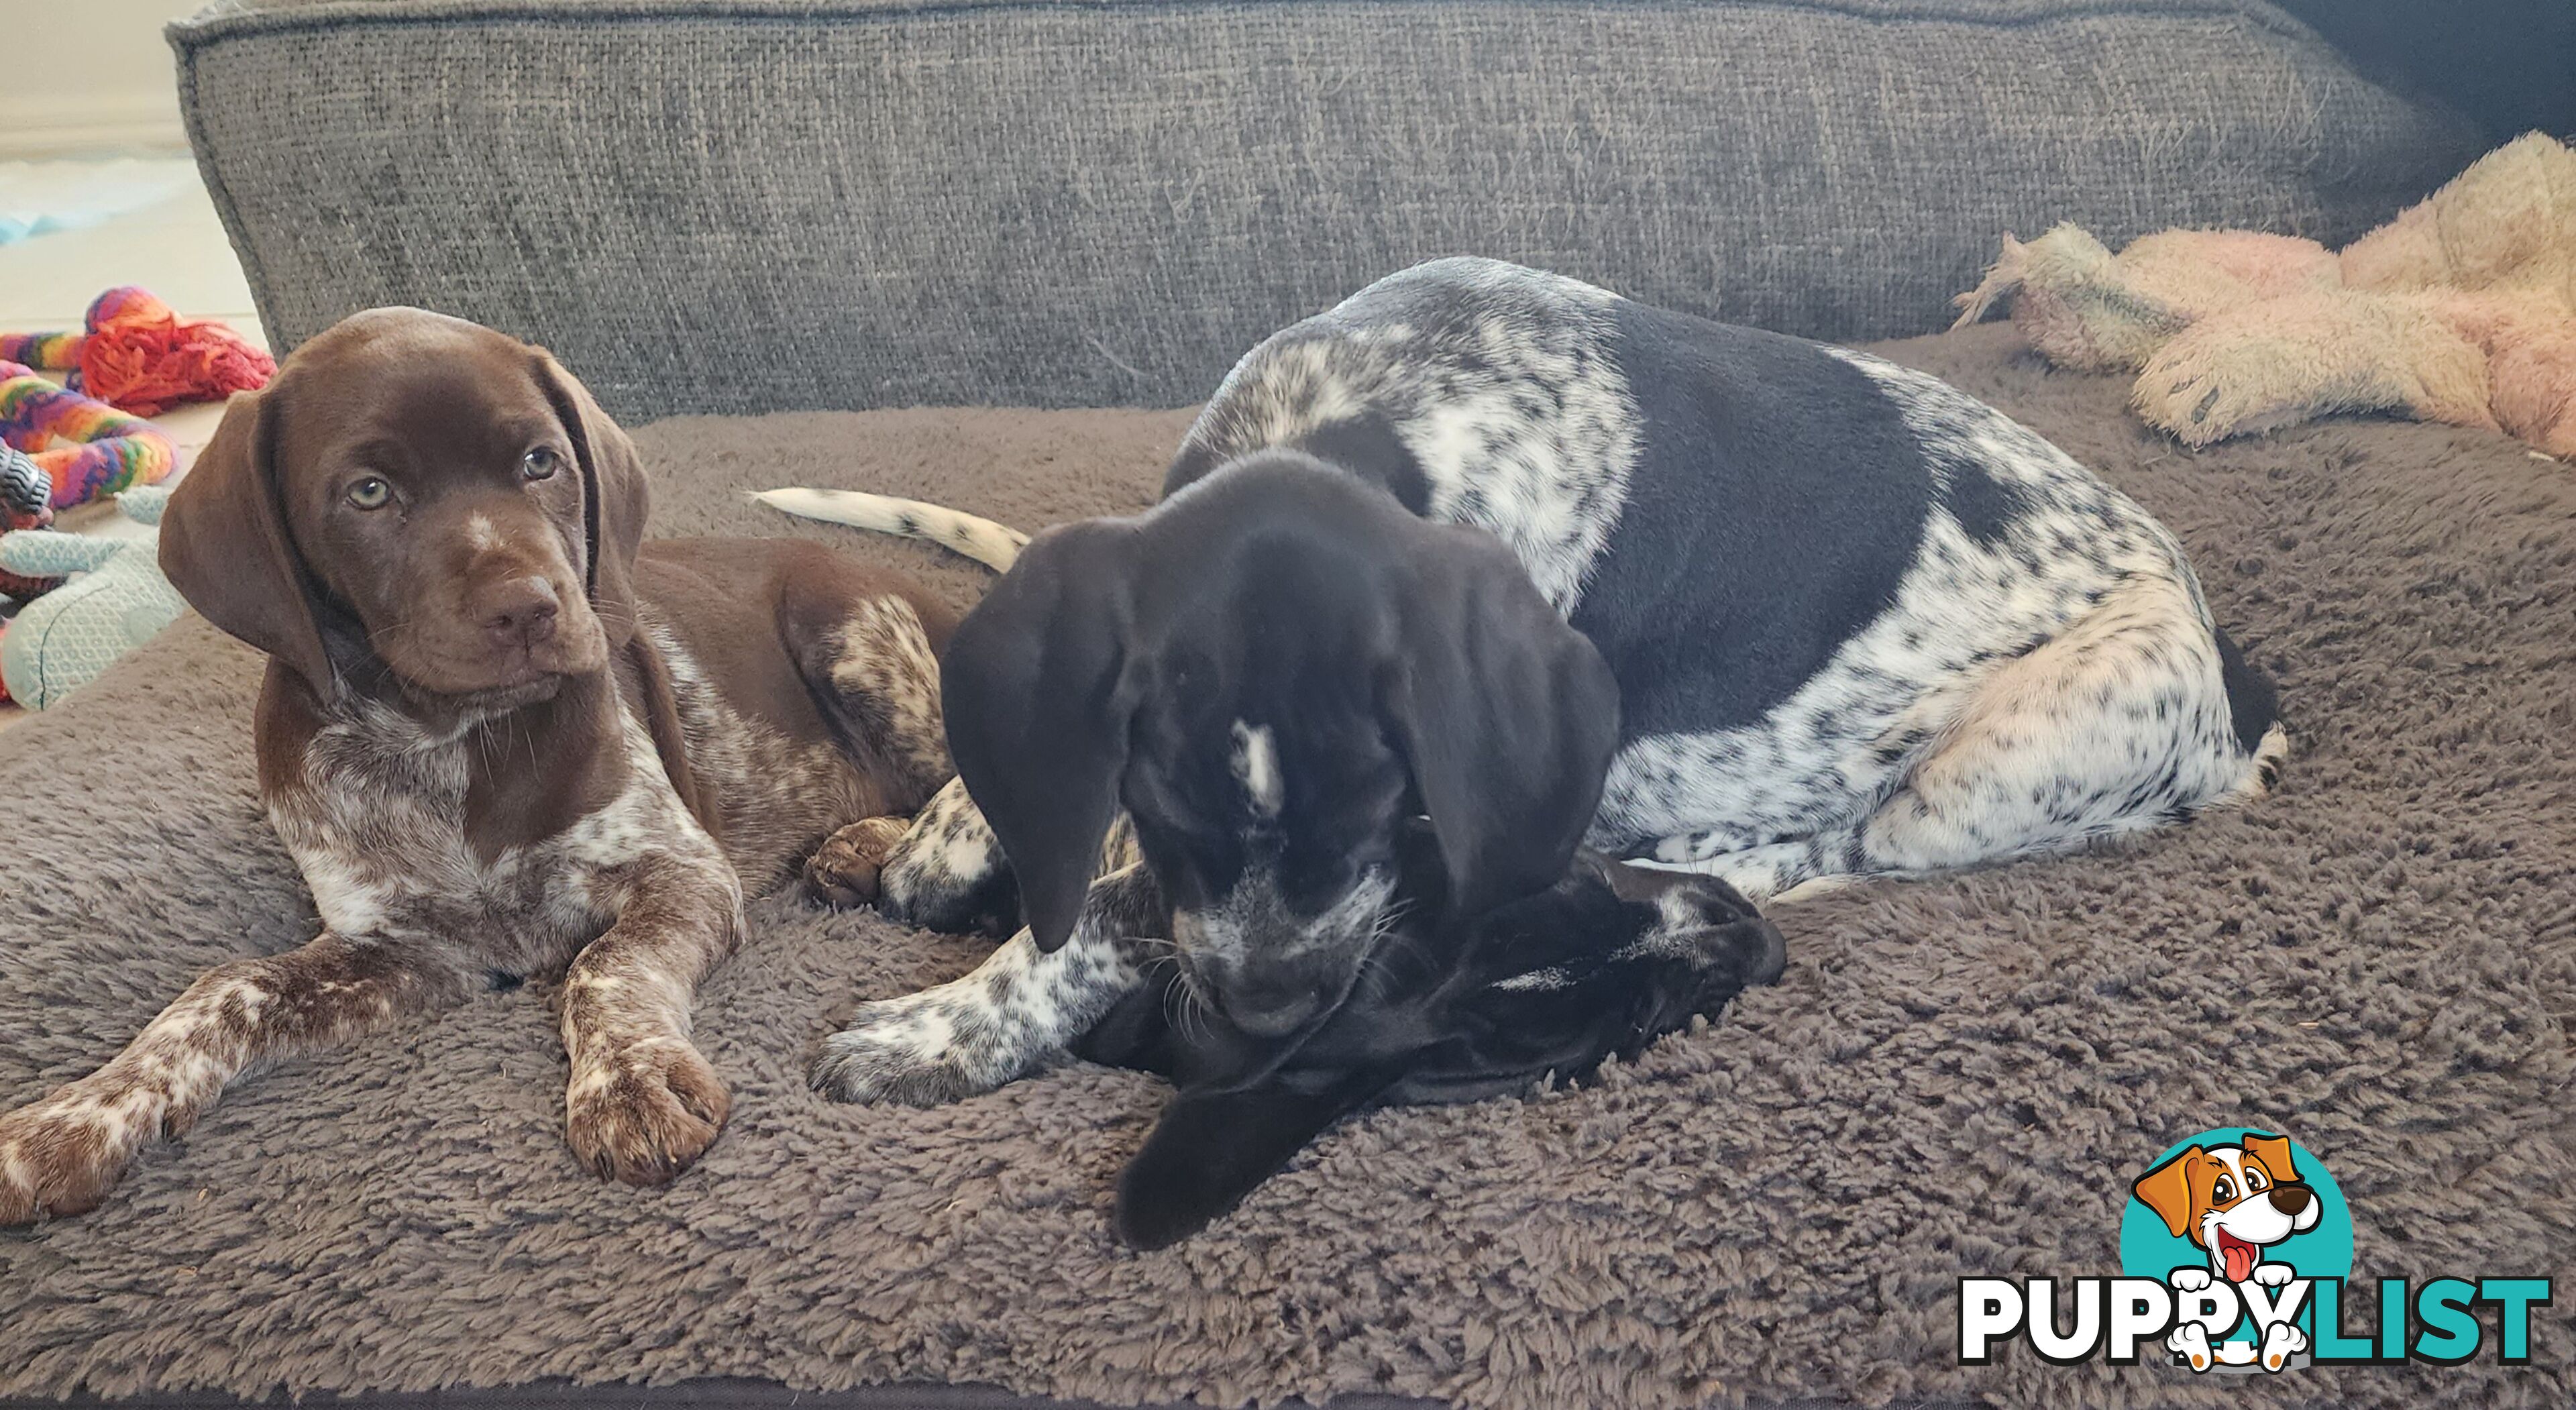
(1550, 566)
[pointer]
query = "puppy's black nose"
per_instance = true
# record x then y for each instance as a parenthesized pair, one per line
(522, 614)
(1276, 1021)
(2290, 1199)
(1269, 1010)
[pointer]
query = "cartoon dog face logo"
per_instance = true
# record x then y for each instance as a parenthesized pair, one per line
(2234, 1202)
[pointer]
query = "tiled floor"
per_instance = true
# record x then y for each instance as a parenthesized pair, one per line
(174, 247)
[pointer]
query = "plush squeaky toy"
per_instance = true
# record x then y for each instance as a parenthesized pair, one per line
(114, 601)
(2461, 310)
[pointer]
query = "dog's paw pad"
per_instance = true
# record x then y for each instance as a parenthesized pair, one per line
(847, 869)
(646, 1114)
(892, 1054)
(58, 1157)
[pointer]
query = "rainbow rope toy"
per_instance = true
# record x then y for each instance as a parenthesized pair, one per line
(138, 353)
(83, 448)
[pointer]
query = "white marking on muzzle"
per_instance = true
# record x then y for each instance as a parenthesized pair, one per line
(1256, 767)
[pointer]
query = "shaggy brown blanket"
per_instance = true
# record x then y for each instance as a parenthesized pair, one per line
(1955, 1077)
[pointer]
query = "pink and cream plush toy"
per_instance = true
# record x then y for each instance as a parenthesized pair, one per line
(2462, 309)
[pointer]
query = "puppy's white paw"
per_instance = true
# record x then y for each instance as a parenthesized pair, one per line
(2273, 1275)
(2190, 1341)
(2280, 1344)
(923, 1049)
(2190, 1279)
(946, 872)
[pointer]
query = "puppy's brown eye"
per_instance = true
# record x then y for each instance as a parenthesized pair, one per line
(539, 464)
(2254, 1182)
(371, 493)
(2224, 1191)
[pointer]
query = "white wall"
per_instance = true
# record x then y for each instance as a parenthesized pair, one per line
(86, 75)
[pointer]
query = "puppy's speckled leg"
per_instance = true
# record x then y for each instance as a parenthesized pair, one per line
(947, 873)
(643, 1103)
(2120, 723)
(61, 1155)
(880, 674)
(1010, 1016)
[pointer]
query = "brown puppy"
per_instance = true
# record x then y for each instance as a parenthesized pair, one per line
(503, 737)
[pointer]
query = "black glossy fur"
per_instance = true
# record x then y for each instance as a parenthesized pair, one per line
(1599, 965)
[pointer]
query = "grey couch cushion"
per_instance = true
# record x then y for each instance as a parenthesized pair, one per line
(756, 204)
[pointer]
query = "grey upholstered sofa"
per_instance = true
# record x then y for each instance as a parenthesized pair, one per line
(748, 205)
(886, 220)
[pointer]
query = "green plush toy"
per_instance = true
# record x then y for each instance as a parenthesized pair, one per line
(118, 600)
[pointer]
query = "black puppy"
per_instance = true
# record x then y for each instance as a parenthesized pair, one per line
(1601, 964)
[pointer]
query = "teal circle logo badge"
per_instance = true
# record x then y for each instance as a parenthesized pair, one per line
(2235, 1206)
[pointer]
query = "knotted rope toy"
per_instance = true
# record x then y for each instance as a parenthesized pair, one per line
(136, 353)
(64, 449)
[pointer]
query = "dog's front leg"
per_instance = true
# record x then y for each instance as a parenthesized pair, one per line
(643, 1103)
(62, 1154)
(946, 872)
(1009, 1016)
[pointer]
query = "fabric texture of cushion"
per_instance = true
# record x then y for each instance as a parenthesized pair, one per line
(752, 205)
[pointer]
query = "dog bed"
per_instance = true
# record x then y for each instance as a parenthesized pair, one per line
(1957, 1077)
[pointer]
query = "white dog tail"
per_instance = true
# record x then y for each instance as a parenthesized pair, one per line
(994, 545)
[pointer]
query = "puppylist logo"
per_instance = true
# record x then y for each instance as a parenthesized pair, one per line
(2236, 1255)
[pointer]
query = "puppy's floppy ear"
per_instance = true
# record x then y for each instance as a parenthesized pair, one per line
(1038, 697)
(2274, 1152)
(2167, 1190)
(1507, 715)
(226, 548)
(615, 498)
